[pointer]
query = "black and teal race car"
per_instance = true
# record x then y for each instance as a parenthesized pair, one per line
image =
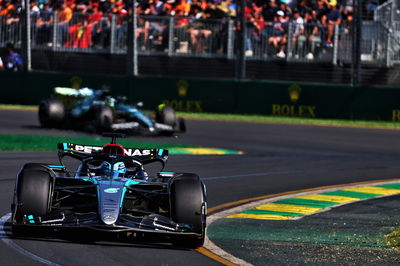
(97, 110)
(110, 191)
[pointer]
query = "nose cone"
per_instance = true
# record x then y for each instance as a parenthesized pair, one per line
(109, 219)
(110, 197)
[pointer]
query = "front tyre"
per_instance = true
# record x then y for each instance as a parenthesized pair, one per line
(33, 192)
(188, 206)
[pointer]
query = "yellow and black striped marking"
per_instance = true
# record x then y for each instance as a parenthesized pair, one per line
(296, 207)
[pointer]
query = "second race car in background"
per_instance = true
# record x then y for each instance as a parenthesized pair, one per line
(97, 110)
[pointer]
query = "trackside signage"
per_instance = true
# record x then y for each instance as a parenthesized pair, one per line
(312, 100)
(396, 115)
(181, 103)
(294, 109)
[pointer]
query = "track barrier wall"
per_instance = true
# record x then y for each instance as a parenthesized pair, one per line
(219, 96)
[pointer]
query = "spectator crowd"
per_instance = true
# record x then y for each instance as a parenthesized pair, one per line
(88, 23)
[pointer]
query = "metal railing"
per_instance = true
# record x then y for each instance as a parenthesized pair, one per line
(374, 45)
(210, 38)
(387, 16)
(10, 30)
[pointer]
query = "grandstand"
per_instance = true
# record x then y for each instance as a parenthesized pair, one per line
(305, 40)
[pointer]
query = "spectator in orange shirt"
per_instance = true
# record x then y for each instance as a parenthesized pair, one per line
(64, 16)
(184, 7)
(6, 8)
(11, 14)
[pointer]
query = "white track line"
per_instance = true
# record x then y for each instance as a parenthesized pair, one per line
(6, 240)
(219, 215)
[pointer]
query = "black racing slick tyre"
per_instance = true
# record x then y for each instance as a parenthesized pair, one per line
(181, 125)
(188, 206)
(33, 191)
(166, 115)
(104, 118)
(51, 113)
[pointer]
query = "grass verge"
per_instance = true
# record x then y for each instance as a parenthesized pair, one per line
(260, 119)
(393, 239)
(18, 107)
(9, 142)
(290, 120)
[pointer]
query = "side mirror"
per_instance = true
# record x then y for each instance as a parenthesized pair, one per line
(139, 104)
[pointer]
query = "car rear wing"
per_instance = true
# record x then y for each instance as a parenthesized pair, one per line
(84, 150)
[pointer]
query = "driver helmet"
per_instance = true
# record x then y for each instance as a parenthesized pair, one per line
(104, 168)
(119, 169)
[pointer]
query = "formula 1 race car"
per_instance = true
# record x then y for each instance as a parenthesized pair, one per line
(97, 110)
(111, 191)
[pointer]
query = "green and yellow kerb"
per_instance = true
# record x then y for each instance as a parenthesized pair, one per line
(299, 206)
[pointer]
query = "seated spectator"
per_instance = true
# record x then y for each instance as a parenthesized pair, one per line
(316, 27)
(10, 14)
(304, 7)
(279, 34)
(199, 34)
(64, 16)
(98, 28)
(346, 10)
(255, 29)
(142, 32)
(333, 18)
(6, 8)
(44, 25)
(77, 38)
(315, 19)
(269, 11)
(121, 27)
(183, 6)
(313, 30)
(298, 31)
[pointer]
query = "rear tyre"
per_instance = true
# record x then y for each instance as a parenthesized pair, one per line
(33, 192)
(188, 206)
(182, 125)
(51, 113)
(104, 118)
(166, 115)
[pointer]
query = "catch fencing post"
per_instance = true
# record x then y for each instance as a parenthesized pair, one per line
(170, 36)
(132, 42)
(241, 58)
(26, 36)
(55, 21)
(357, 25)
(335, 45)
(289, 52)
(112, 34)
(229, 45)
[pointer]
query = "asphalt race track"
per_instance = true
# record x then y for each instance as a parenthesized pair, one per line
(277, 158)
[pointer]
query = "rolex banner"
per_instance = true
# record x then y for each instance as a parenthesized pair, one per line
(284, 99)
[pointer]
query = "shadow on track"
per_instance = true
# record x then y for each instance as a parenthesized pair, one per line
(91, 237)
